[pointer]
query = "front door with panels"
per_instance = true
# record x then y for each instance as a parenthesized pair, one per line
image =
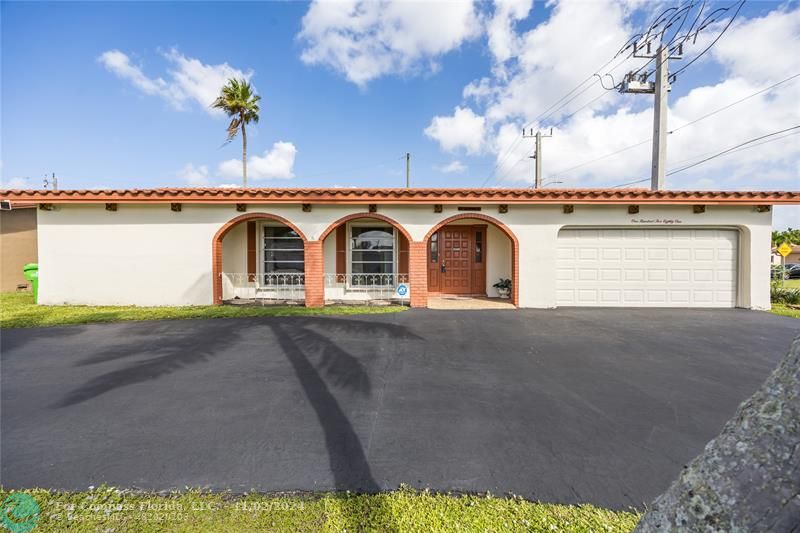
(455, 259)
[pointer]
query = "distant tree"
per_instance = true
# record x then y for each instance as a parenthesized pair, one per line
(240, 102)
(790, 236)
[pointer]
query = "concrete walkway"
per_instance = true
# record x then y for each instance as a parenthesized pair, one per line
(468, 302)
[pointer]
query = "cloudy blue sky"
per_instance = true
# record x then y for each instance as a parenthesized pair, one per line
(116, 94)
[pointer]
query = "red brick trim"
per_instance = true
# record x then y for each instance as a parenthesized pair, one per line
(376, 216)
(216, 246)
(418, 272)
(499, 225)
(315, 281)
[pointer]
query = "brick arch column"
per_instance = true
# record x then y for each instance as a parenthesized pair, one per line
(423, 295)
(216, 246)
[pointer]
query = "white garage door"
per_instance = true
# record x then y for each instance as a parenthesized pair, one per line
(647, 267)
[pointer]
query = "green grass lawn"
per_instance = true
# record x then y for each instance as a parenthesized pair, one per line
(106, 509)
(780, 309)
(783, 310)
(17, 310)
(792, 283)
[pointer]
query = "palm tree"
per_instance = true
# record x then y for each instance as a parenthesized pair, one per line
(240, 102)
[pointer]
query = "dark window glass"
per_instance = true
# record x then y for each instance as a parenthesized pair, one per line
(435, 248)
(283, 255)
(283, 251)
(479, 247)
(372, 256)
(372, 268)
(280, 232)
(371, 252)
(283, 244)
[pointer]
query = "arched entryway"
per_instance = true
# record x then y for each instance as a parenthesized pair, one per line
(258, 255)
(468, 253)
(365, 257)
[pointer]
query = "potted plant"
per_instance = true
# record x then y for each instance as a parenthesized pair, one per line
(503, 288)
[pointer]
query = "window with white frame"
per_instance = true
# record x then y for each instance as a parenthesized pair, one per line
(282, 253)
(372, 254)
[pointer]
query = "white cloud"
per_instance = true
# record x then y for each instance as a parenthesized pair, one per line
(463, 129)
(535, 68)
(230, 168)
(763, 48)
(188, 79)
(453, 167)
(120, 64)
(15, 183)
(276, 163)
(195, 176)
(366, 39)
(503, 40)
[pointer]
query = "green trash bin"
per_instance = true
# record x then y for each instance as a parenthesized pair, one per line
(31, 271)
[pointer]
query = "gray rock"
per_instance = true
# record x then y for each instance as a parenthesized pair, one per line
(748, 477)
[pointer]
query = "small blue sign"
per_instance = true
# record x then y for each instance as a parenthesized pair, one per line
(402, 289)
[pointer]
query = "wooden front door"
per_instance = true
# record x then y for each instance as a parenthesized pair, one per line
(455, 259)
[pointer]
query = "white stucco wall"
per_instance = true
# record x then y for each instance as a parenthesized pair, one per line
(150, 255)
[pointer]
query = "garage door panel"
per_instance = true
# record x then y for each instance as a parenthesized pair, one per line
(680, 254)
(634, 254)
(647, 267)
(565, 252)
(681, 297)
(680, 274)
(587, 296)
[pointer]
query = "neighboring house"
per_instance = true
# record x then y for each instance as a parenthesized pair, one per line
(793, 257)
(581, 247)
(17, 243)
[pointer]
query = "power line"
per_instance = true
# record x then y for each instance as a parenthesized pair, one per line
(700, 156)
(551, 110)
(739, 147)
(562, 173)
(736, 102)
(701, 54)
(724, 152)
(655, 31)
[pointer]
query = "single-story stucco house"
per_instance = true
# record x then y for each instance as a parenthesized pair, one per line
(560, 247)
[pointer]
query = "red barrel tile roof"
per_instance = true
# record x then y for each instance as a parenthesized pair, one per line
(401, 196)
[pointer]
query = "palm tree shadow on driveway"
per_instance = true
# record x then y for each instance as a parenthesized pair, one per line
(319, 363)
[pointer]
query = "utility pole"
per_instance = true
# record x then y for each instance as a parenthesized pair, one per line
(659, 163)
(660, 89)
(408, 170)
(537, 155)
(52, 181)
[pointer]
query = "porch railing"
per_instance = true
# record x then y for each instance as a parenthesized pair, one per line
(367, 287)
(274, 287)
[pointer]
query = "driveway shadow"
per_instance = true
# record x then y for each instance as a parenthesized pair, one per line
(320, 364)
(166, 352)
(151, 351)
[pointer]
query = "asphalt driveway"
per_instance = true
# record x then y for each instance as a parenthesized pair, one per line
(568, 405)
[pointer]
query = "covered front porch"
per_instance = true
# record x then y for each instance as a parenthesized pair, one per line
(368, 259)
(365, 263)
